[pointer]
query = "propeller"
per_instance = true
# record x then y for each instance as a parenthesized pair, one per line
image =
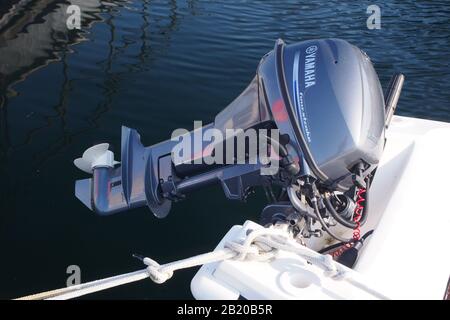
(96, 156)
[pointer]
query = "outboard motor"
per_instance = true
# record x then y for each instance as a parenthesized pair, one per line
(319, 108)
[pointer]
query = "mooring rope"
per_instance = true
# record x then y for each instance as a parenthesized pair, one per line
(259, 245)
(89, 287)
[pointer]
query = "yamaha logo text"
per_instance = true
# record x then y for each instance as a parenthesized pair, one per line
(310, 66)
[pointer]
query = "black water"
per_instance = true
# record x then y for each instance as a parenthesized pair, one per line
(156, 66)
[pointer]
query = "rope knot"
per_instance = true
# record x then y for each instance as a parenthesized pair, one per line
(156, 273)
(251, 251)
(244, 252)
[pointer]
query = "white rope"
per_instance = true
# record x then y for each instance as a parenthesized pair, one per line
(259, 245)
(161, 273)
(88, 287)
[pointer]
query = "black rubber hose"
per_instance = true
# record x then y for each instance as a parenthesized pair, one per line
(324, 225)
(339, 244)
(340, 219)
(337, 216)
(333, 246)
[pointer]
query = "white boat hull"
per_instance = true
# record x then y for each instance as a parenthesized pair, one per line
(407, 255)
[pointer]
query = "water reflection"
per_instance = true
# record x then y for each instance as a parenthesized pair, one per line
(56, 86)
(34, 34)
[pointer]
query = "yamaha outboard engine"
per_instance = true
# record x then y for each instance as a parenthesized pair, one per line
(318, 110)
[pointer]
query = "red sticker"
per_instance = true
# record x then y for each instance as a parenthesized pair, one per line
(279, 111)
